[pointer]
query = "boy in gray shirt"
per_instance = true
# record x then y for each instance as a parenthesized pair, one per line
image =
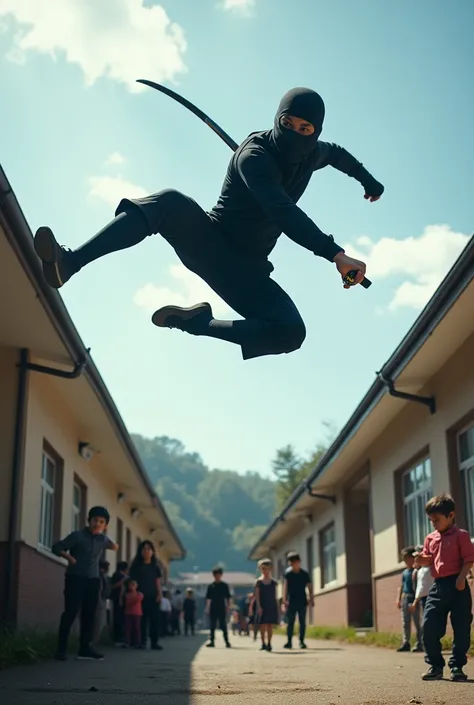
(83, 551)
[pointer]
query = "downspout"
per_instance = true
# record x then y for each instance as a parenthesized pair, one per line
(17, 467)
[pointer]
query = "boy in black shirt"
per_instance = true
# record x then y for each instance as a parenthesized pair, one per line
(83, 551)
(218, 606)
(295, 599)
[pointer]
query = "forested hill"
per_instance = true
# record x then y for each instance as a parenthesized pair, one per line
(218, 514)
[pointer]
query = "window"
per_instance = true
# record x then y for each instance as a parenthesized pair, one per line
(416, 491)
(50, 497)
(119, 540)
(466, 467)
(327, 538)
(79, 504)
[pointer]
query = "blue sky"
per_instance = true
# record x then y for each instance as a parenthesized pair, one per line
(76, 136)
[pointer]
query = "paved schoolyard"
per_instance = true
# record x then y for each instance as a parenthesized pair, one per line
(186, 673)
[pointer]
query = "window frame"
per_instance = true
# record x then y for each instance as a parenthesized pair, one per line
(402, 535)
(324, 550)
(55, 492)
(82, 509)
(464, 467)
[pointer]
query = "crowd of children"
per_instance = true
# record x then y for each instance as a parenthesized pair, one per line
(434, 585)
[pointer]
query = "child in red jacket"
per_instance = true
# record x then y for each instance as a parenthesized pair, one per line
(133, 614)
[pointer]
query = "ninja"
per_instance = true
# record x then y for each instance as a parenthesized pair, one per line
(228, 247)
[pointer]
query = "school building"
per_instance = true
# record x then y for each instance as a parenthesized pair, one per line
(63, 445)
(412, 436)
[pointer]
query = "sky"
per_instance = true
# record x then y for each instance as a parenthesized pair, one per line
(78, 134)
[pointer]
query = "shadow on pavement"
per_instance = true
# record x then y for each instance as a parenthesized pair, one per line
(142, 677)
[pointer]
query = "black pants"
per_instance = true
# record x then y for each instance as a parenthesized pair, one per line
(443, 599)
(80, 595)
(272, 323)
(293, 610)
(150, 620)
(118, 623)
(188, 624)
(219, 618)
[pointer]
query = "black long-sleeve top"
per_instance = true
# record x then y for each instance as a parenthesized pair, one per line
(260, 192)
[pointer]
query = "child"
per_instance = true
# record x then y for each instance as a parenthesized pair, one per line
(450, 554)
(117, 593)
(422, 581)
(146, 571)
(133, 614)
(176, 610)
(405, 600)
(101, 612)
(267, 603)
(295, 600)
(218, 605)
(83, 551)
(165, 613)
(189, 611)
(253, 618)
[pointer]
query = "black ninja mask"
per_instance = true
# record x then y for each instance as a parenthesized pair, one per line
(307, 105)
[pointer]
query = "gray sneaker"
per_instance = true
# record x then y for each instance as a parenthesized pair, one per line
(57, 261)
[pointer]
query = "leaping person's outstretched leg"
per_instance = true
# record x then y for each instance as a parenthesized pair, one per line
(271, 323)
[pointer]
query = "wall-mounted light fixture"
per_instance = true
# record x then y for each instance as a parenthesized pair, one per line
(86, 451)
(120, 497)
(152, 532)
(136, 513)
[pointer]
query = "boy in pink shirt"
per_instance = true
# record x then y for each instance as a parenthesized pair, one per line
(450, 554)
(133, 614)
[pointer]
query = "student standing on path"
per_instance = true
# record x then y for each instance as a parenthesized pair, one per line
(133, 601)
(83, 551)
(405, 602)
(267, 603)
(146, 571)
(422, 581)
(450, 553)
(295, 598)
(218, 606)
(117, 594)
(104, 594)
(189, 612)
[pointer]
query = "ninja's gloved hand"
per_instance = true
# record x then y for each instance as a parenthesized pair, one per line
(373, 188)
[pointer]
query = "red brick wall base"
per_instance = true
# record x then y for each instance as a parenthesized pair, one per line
(40, 590)
(38, 595)
(330, 608)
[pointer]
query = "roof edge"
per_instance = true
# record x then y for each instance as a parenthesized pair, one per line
(20, 238)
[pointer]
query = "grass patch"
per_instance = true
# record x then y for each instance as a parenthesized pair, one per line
(25, 647)
(350, 635)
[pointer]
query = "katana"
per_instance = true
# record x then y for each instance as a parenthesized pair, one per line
(195, 110)
(349, 278)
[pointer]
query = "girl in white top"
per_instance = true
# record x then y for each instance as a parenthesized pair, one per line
(423, 581)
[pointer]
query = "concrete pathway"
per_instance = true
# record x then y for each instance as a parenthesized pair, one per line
(186, 673)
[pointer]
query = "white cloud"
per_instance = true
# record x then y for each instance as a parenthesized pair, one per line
(118, 39)
(423, 261)
(115, 158)
(111, 189)
(242, 7)
(187, 289)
